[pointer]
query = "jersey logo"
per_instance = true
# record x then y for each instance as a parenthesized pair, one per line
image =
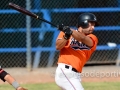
(78, 45)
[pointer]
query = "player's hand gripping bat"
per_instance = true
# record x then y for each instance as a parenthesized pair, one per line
(24, 11)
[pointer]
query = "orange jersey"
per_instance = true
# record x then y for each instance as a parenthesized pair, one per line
(76, 53)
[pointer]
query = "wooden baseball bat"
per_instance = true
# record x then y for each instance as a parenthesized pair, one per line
(24, 11)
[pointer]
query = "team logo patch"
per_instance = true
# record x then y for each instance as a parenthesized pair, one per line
(78, 45)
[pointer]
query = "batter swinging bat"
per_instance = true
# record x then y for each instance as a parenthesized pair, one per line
(24, 11)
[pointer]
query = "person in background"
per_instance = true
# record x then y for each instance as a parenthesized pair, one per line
(4, 76)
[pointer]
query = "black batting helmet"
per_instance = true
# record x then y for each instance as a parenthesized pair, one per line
(84, 18)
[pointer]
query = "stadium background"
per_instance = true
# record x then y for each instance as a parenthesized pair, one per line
(30, 43)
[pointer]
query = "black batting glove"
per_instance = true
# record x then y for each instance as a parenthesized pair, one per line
(60, 27)
(67, 31)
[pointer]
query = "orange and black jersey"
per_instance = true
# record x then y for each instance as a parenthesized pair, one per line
(76, 53)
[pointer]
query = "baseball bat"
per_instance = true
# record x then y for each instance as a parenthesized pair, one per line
(24, 11)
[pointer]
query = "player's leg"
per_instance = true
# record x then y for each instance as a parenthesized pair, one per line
(76, 83)
(67, 79)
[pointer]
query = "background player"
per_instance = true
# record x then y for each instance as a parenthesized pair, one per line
(76, 47)
(7, 77)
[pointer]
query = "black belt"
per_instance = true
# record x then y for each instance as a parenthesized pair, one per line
(73, 69)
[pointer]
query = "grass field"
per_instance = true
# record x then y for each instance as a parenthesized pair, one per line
(53, 86)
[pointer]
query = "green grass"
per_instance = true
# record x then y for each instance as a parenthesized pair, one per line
(102, 86)
(53, 86)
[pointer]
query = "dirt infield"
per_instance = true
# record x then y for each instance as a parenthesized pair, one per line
(42, 75)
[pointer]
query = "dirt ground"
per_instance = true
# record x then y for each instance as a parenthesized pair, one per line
(42, 75)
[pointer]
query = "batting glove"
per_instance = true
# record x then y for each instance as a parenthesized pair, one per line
(67, 31)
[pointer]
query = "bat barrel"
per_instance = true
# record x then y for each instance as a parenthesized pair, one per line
(24, 11)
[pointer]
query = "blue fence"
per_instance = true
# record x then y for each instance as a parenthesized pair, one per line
(46, 15)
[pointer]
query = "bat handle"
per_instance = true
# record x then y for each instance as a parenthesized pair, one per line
(47, 21)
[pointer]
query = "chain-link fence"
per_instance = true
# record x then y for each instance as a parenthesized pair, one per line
(27, 41)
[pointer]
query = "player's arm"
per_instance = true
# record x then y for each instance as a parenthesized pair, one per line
(83, 38)
(63, 36)
(61, 41)
(77, 35)
(7, 77)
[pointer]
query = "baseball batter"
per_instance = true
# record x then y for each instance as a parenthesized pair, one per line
(76, 47)
(7, 77)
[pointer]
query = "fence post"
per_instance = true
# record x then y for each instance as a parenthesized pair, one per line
(118, 58)
(28, 37)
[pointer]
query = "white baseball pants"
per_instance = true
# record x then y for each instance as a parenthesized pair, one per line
(67, 79)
